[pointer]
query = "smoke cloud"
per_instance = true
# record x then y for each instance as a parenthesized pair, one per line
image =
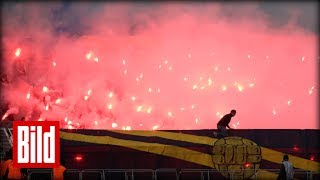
(158, 65)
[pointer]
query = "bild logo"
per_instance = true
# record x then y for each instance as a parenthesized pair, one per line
(36, 144)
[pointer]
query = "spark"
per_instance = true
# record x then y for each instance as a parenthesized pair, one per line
(45, 89)
(240, 88)
(217, 114)
(274, 112)
(158, 90)
(289, 102)
(249, 56)
(40, 119)
(96, 123)
(124, 62)
(193, 106)
(224, 87)
(89, 92)
(202, 87)
(181, 109)
(155, 127)
(128, 128)
(114, 125)
(149, 110)
(141, 75)
(89, 55)
(139, 108)
(229, 69)
(140, 124)
(170, 68)
(209, 82)
(216, 68)
(302, 59)
(251, 85)
(4, 116)
(133, 98)
(189, 55)
(58, 101)
(150, 90)
(18, 52)
(160, 66)
(185, 79)
(137, 79)
(70, 127)
(166, 62)
(86, 98)
(54, 64)
(65, 119)
(196, 120)
(311, 90)
(194, 87)
(169, 114)
(125, 71)
(28, 95)
(109, 106)
(110, 95)
(96, 59)
(69, 122)
(47, 107)
(200, 78)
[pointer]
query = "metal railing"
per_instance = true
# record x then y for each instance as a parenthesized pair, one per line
(204, 174)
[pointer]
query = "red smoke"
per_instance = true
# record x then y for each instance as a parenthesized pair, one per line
(159, 66)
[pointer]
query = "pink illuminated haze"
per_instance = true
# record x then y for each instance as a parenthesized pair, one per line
(184, 68)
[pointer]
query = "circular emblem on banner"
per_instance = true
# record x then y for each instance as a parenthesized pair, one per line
(236, 157)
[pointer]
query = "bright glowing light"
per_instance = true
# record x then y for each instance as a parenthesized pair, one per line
(96, 59)
(155, 127)
(86, 98)
(110, 95)
(223, 87)
(109, 106)
(66, 119)
(311, 90)
(209, 82)
(124, 62)
(170, 68)
(181, 109)
(45, 89)
(96, 123)
(158, 90)
(150, 90)
(69, 122)
(170, 114)
(251, 85)
(28, 95)
(195, 87)
(141, 76)
(139, 108)
(289, 102)
(193, 106)
(189, 55)
(196, 120)
(166, 62)
(128, 128)
(125, 72)
(89, 92)
(249, 56)
(185, 79)
(4, 116)
(133, 98)
(229, 69)
(149, 110)
(18, 52)
(47, 107)
(240, 88)
(274, 112)
(89, 55)
(216, 68)
(114, 125)
(302, 59)
(54, 64)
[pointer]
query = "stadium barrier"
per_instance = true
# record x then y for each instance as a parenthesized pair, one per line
(131, 174)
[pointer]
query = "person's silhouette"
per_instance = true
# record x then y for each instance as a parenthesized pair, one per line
(223, 123)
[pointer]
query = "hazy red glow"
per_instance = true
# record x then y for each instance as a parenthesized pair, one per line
(184, 69)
